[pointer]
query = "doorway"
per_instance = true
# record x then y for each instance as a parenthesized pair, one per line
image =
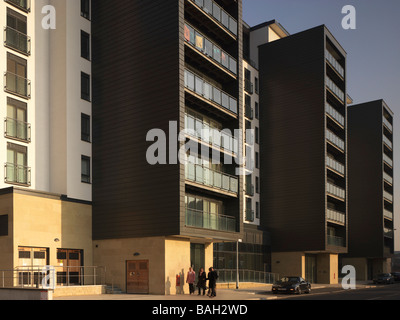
(197, 257)
(137, 277)
(311, 268)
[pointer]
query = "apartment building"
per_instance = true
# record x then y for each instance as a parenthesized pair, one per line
(371, 186)
(45, 187)
(304, 176)
(178, 67)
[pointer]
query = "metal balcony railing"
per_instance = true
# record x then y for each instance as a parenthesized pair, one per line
(388, 124)
(387, 196)
(334, 114)
(17, 129)
(16, 174)
(249, 112)
(336, 216)
(387, 159)
(335, 165)
(248, 86)
(388, 232)
(249, 215)
(333, 138)
(387, 178)
(336, 241)
(334, 63)
(24, 5)
(211, 221)
(335, 191)
(17, 85)
(17, 40)
(388, 214)
(335, 89)
(387, 141)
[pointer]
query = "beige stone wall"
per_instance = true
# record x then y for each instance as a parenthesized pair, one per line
(6, 244)
(288, 263)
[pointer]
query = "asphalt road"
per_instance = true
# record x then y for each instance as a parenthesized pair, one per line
(380, 292)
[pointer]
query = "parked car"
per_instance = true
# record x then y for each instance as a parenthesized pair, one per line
(396, 276)
(385, 278)
(292, 285)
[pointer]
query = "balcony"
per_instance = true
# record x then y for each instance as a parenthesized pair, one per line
(248, 86)
(249, 189)
(24, 5)
(17, 85)
(335, 89)
(18, 130)
(218, 15)
(210, 93)
(336, 216)
(210, 51)
(249, 215)
(387, 178)
(335, 140)
(211, 221)
(211, 178)
(387, 142)
(16, 174)
(202, 131)
(388, 214)
(387, 124)
(334, 63)
(17, 40)
(387, 160)
(335, 191)
(335, 165)
(249, 112)
(336, 241)
(388, 233)
(331, 111)
(387, 196)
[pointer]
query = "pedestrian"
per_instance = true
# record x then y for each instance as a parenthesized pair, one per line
(190, 279)
(212, 281)
(202, 281)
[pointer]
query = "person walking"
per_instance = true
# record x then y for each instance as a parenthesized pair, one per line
(212, 281)
(190, 279)
(202, 281)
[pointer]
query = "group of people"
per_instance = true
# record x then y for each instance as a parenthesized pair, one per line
(202, 281)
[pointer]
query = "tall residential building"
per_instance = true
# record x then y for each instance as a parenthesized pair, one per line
(166, 65)
(45, 185)
(304, 175)
(371, 188)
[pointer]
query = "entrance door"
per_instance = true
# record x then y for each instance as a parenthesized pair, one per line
(197, 257)
(311, 268)
(137, 278)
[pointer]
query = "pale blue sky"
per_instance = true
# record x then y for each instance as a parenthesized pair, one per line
(373, 48)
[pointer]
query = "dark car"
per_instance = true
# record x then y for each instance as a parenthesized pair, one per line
(385, 278)
(292, 285)
(396, 276)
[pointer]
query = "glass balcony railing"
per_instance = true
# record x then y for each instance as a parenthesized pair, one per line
(387, 159)
(388, 124)
(17, 85)
(387, 196)
(333, 138)
(388, 214)
(249, 188)
(249, 215)
(335, 89)
(203, 131)
(16, 174)
(210, 92)
(211, 221)
(17, 40)
(387, 178)
(388, 232)
(335, 165)
(17, 129)
(249, 113)
(209, 49)
(336, 241)
(336, 216)
(336, 191)
(214, 11)
(24, 5)
(248, 86)
(387, 142)
(211, 178)
(334, 63)
(334, 114)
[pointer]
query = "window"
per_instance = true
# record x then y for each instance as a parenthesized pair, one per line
(85, 86)
(16, 121)
(257, 185)
(85, 9)
(257, 85)
(85, 175)
(85, 127)
(16, 167)
(257, 107)
(257, 133)
(85, 45)
(16, 81)
(16, 32)
(4, 225)
(257, 160)
(257, 210)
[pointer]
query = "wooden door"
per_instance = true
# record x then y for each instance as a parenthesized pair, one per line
(137, 279)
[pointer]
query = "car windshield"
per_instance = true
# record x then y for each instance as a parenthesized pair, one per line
(290, 279)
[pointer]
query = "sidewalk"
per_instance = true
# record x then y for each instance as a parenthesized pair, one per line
(256, 293)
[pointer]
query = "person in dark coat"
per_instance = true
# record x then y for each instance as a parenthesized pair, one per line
(212, 281)
(202, 281)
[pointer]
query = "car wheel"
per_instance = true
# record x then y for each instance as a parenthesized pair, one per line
(298, 291)
(308, 291)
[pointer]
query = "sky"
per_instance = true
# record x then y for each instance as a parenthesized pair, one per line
(373, 48)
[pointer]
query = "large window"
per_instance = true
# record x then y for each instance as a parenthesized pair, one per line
(16, 121)
(16, 81)
(3, 225)
(85, 9)
(85, 127)
(85, 86)
(16, 166)
(16, 32)
(85, 45)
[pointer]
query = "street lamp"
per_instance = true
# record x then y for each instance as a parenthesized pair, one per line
(237, 263)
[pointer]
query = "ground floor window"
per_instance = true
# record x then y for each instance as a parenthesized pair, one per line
(69, 267)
